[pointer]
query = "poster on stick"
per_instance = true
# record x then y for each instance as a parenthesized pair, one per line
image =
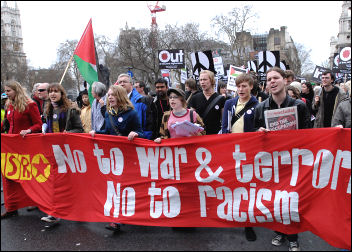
(281, 119)
(233, 73)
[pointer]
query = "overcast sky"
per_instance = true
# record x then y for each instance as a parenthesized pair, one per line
(46, 24)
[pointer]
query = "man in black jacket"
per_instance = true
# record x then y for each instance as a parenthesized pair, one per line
(276, 81)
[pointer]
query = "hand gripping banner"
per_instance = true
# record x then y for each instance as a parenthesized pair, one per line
(289, 181)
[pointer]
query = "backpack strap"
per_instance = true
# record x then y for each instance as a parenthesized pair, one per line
(239, 114)
(210, 106)
(191, 115)
(114, 126)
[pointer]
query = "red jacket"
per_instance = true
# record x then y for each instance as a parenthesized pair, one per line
(28, 119)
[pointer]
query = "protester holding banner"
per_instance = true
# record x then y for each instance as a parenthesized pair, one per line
(276, 82)
(208, 104)
(238, 117)
(98, 106)
(121, 120)
(279, 99)
(61, 116)
(179, 113)
(23, 116)
(326, 103)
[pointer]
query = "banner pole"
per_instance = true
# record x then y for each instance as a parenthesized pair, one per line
(68, 63)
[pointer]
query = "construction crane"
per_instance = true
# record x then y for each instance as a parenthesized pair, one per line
(154, 9)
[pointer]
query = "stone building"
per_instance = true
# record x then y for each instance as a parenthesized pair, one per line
(344, 36)
(12, 54)
(275, 40)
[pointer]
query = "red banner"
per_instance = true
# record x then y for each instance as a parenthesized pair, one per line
(290, 181)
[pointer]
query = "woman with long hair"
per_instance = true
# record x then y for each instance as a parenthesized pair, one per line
(23, 118)
(120, 120)
(61, 116)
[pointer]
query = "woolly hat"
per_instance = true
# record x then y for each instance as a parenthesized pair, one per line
(177, 91)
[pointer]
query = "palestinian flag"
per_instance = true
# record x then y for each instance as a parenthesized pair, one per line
(85, 58)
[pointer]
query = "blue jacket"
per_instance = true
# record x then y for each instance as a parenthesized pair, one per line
(140, 104)
(229, 111)
(125, 122)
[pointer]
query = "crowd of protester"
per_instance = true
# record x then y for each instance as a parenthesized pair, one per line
(214, 110)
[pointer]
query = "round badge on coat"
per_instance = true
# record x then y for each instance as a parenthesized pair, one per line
(249, 111)
(120, 119)
(217, 107)
(55, 116)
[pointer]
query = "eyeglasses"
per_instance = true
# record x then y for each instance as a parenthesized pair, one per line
(41, 90)
(173, 97)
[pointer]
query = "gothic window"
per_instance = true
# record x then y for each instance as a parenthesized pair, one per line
(2, 28)
(13, 28)
(277, 41)
(16, 46)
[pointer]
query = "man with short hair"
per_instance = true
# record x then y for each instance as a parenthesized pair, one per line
(141, 88)
(208, 104)
(326, 103)
(276, 82)
(144, 108)
(290, 76)
(161, 102)
(43, 96)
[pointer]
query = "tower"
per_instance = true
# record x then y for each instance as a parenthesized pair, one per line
(12, 54)
(344, 35)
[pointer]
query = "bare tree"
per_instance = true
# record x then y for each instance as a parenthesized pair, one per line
(13, 66)
(234, 26)
(64, 53)
(307, 66)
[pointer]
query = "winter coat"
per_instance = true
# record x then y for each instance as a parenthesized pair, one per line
(72, 124)
(229, 111)
(319, 117)
(342, 115)
(125, 122)
(144, 106)
(28, 119)
(269, 104)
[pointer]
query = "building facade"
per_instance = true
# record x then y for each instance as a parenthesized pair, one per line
(12, 54)
(344, 36)
(275, 40)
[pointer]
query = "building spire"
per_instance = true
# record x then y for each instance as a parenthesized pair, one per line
(16, 7)
(5, 4)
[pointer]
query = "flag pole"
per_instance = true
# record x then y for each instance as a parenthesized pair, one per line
(68, 63)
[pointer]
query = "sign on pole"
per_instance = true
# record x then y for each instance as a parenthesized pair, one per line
(318, 71)
(267, 60)
(171, 59)
(233, 73)
(202, 61)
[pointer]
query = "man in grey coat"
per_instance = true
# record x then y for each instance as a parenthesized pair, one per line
(326, 103)
(342, 116)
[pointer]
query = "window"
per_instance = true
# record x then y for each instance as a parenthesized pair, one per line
(277, 41)
(13, 28)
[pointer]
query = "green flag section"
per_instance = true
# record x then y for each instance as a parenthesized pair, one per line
(84, 56)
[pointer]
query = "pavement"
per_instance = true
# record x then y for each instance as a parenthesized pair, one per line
(27, 232)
